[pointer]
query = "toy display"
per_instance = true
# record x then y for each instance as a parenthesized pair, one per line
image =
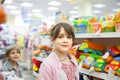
(118, 72)
(39, 55)
(80, 25)
(88, 62)
(114, 65)
(117, 58)
(73, 51)
(109, 59)
(109, 27)
(36, 52)
(117, 21)
(95, 27)
(93, 45)
(117, 27)
(95, 56)
(92, 51)
(36, 64)
(99, 65)
(114, 50)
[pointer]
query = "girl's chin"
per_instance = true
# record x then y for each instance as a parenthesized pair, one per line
(65, 51)
(15, 60)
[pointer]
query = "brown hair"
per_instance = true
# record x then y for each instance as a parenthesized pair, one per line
(10, 48)
(56, 30)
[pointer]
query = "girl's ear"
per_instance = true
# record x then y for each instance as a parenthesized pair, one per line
(51, 38)
(7, 57)
(51, 41)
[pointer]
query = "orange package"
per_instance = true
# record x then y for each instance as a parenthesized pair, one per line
(95, 46)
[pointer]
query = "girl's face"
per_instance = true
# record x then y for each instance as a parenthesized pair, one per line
(14, 55)
(63, 42)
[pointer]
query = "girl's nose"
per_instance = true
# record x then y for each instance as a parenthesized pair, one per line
(16, 53)
(65, 39)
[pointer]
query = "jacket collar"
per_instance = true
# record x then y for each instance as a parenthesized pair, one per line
(56, 59)
(10, 66)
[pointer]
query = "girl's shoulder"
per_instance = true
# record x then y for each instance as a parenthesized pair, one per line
(5, 66)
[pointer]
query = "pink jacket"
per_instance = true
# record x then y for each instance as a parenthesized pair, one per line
(51, 68)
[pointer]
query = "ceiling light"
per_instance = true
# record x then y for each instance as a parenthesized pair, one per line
(97, 11)
(68, 0)
(52, 17)
(54, 3)
(118, 3)
(8, 2)
(11, 7)
(71, 18)
(76, 7)
(27, 4)
(38, 15)
(14, 11)
(36, 10)
(99, 5)
(74, 16)
(52, 8)
(73, 12)
(29, 14)
(116, 10)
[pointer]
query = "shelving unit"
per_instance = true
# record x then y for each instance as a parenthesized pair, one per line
(104, 76)
(109, 38)
(100, 35)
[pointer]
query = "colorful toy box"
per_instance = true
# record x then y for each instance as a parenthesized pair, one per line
(92, 45)
(95, 27)
(99, 65)
(114, 65)
(114, 50)
(118, 72)
(88, 62)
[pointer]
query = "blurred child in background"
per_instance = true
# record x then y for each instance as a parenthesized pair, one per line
(11, 64)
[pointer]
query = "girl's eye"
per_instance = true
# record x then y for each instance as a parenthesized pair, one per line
(69, 36)
(18, 53)
(12, 52)
(60, 36)
(15, 52)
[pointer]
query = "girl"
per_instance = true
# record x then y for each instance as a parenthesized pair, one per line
(11, 64)
(60, 65)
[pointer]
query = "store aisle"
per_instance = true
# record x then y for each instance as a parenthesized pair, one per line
(28, 75)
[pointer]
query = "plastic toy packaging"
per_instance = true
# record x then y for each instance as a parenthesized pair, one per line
(85, 77)
(110, 71)
(91, 69)
(10, 76)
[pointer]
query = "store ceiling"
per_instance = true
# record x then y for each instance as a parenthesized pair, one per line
(65, 7)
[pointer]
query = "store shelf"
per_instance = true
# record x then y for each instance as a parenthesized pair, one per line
(104, 76)
(98, 35)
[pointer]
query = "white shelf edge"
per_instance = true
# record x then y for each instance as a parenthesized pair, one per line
(99, 74)
(100, 35)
